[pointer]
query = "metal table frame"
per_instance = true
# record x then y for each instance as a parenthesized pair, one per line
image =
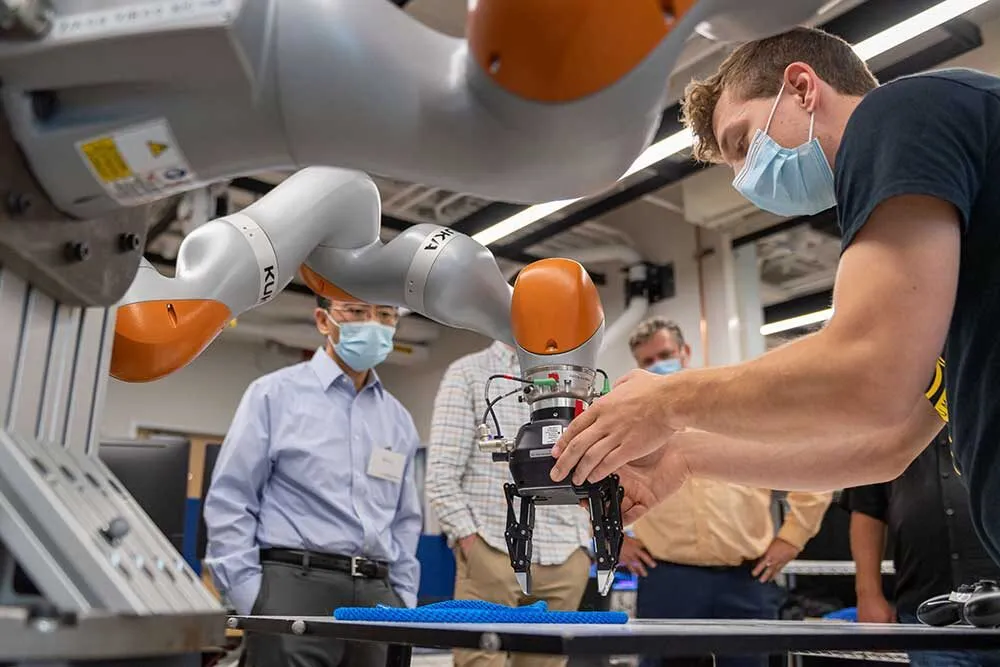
(657, 638)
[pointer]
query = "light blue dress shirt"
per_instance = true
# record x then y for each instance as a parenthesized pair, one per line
(293, 473)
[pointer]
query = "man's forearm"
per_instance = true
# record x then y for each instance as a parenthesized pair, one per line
(867, 548)
(820, 465)
(821, 385)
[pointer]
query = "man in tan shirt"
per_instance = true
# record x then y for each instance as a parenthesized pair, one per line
(710, 550)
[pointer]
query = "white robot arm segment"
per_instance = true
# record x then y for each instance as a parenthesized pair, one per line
(324, 221)
(542, 102)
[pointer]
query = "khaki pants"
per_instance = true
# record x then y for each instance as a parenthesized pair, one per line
(486, 575)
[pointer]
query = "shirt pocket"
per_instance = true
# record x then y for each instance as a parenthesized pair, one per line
(313, 453)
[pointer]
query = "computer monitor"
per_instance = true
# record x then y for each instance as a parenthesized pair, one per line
(211, 456)
(155, 472)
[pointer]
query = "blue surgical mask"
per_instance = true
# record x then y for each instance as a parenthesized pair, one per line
(665, 366)
(363, 345)
(786, 181)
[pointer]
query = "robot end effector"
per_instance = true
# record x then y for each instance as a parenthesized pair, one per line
(558, 325)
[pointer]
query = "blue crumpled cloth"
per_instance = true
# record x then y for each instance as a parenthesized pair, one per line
(849, 614)
(477, 611)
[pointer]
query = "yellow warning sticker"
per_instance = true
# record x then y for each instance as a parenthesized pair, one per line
(156, 148)
(139, 163)
(106, 160)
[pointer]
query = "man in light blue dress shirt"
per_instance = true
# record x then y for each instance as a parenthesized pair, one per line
(313, 503)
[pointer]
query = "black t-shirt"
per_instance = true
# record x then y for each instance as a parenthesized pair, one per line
(934, 547)
(938, 134)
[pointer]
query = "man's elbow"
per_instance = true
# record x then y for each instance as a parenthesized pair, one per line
(882, 404)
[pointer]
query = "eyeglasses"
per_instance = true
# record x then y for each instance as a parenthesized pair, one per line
(354, 312)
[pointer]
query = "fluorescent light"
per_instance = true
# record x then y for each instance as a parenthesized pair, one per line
(520, 220)
(875, 45)
(916, 25)
(661, 150)
(796, 322)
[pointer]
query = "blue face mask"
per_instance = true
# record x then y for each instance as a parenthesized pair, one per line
(363, 345)
(786, 181)
(665, 366)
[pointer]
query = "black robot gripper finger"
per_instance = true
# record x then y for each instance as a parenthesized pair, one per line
(518, 535)
(605, 500)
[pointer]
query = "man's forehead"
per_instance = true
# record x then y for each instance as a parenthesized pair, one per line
(661, 339)
(728, 111)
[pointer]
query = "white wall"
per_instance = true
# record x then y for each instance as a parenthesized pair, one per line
(200, 398)
(663, 238)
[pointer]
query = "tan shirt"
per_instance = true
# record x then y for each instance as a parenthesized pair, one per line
(711, 523)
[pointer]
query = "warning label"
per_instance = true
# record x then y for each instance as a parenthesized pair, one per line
(138, 164)
(550, 434)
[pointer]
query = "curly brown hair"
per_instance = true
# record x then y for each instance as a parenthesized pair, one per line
(754, 70)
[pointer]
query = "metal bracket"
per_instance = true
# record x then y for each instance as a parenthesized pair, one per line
(75, 262)
(25, 19)
(658, 285)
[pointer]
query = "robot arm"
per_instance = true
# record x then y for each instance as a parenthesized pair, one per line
(119, 104)
(325, 221)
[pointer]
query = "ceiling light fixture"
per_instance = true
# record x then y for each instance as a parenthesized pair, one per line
(796, 322)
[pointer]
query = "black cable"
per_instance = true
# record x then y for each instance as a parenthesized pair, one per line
(492, 412)
(607, 380)
(489, 404)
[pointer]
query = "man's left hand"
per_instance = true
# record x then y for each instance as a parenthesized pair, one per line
(626, 424)
(774, 560)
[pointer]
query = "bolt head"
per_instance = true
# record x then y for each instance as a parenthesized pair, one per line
(128, 242)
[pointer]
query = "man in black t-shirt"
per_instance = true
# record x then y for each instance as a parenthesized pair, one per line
(925, 513)
(913, 167)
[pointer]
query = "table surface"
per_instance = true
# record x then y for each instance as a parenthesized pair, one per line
(665, 638)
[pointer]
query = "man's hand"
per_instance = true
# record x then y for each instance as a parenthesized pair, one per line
(647, 481)
(635, 558)
(874, 608)
(622, 426)
(466, 543)
(774, 560)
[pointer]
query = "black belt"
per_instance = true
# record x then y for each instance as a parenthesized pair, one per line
(356, 566)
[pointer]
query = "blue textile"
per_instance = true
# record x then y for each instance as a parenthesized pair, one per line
(477, 611)
(847, 614)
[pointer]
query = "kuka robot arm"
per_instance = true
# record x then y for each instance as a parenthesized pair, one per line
(324, 223)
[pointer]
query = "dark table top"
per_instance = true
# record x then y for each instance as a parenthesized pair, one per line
(664, 638)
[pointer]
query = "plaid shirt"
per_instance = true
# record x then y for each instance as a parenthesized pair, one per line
(464, 486)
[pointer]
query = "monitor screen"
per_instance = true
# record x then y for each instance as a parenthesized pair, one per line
(155, 472)
(211, 456)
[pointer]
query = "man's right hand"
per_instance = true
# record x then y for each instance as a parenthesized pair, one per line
(635, 558)
(466, 543)
(874, 608)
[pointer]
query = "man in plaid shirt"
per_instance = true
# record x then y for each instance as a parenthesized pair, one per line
(465, 489)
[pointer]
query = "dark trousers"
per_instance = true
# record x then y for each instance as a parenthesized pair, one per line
(290, 590)
(950, 658)
(684, 591)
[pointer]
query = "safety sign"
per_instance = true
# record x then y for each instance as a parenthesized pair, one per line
(139, 163)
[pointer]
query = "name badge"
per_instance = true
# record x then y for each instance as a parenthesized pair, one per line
(387, 464)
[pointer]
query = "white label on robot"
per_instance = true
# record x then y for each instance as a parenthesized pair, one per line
(550, 434)
(540, 453)
(263, 251)
(138, 164)
(420, 265)
(133, 18)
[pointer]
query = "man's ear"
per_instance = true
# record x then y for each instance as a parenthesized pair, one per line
(322, 322)
(802, 80)
(685, 355)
